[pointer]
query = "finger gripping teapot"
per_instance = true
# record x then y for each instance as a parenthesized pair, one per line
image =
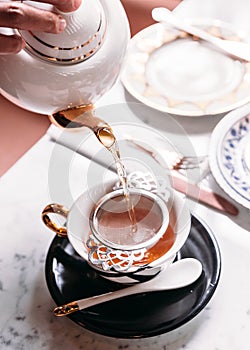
(58, 71)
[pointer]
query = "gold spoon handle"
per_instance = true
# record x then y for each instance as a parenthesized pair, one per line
(177, 275)
(66, 309)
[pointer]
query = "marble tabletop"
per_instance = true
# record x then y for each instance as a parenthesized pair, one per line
(26, 319)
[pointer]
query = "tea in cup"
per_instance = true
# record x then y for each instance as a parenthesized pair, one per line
(99, 228)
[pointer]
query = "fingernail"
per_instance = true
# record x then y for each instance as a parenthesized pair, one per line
(62, 24)
(76, 4)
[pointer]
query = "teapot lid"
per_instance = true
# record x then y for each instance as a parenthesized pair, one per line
(81, 38)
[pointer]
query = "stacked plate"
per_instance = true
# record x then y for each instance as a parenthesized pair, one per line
(176, 73)
(173, 72)
(229, 156)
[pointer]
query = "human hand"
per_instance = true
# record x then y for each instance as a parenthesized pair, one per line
(20, 15)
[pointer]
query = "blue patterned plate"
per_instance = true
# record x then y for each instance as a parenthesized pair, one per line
(230, 154)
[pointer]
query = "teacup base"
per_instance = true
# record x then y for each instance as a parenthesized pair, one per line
(142, 275)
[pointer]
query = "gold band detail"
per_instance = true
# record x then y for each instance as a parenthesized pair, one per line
(68, 48)
(64, 60)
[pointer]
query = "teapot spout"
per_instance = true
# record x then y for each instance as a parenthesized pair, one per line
(83, 116)
(76, 117)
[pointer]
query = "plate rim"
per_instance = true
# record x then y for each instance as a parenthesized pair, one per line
(215, 144)
(174, 111)
(208, 292)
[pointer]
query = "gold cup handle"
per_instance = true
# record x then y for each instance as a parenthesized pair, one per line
(59, 209)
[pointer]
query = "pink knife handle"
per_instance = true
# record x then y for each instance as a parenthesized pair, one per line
(206, 196)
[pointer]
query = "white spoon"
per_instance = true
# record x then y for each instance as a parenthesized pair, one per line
(178, 275)
(237, 49)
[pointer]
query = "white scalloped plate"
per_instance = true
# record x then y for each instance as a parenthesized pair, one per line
(229, 156)
(172, 72)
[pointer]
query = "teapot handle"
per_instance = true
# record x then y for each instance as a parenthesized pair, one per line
(58, 209)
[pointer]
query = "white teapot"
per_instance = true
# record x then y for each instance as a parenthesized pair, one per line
(59, 71)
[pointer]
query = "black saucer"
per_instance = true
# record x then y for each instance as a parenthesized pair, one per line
(144, 315)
